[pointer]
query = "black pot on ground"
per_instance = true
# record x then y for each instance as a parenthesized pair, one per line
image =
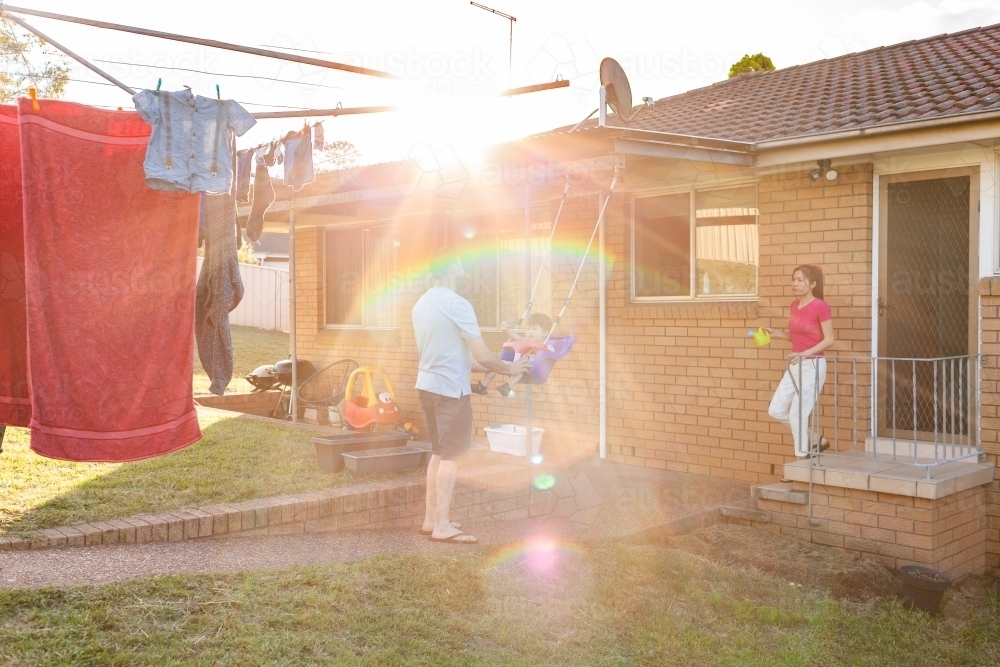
(923, 587)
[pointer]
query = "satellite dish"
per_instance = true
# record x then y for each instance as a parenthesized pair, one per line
(619, 92)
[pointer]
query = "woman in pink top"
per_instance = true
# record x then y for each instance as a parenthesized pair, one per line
(810, 329)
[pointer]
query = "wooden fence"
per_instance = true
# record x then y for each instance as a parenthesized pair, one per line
(265, 298)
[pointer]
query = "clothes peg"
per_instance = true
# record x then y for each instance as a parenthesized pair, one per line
(159, 82)
(218, 94)
(33, 94)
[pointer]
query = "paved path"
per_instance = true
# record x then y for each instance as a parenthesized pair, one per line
(94, 565)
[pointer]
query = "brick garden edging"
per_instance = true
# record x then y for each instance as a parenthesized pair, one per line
(258, 403)
(598, 498)
(501, 491)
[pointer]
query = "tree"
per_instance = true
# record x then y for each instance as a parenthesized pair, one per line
(245, 254)
(28, 62)
(758, 62)
(338, 154)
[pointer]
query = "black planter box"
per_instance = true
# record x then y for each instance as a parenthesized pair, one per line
(389, 459)
(330, 449)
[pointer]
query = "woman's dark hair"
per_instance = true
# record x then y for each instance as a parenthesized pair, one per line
(812, 274)
(542, 320)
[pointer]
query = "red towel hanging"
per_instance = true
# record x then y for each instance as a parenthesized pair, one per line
(110, 279)
(15, 403)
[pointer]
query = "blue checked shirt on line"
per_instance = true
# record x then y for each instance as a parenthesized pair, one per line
(191, 145)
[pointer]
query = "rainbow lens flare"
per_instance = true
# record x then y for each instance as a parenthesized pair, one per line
(541, 554)
(545, 481)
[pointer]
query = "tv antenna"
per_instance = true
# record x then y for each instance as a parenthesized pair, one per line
(510, 51)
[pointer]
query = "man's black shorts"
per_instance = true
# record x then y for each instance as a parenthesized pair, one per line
(449, 423)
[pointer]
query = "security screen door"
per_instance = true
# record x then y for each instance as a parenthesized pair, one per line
(926, 299)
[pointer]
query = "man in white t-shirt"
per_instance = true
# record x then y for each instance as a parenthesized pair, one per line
(448, 339)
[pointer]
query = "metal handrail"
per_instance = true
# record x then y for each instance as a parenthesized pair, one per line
(943, 402)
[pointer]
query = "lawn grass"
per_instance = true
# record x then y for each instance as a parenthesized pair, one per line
(599, 605)
(237, 459)
(252, 347)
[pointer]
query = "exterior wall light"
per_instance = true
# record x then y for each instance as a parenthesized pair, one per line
(824, 169)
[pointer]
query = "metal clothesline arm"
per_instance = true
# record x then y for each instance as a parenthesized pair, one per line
(83, 61)
(267, 53)
(339, 111)
(522, 90)
(294, 113)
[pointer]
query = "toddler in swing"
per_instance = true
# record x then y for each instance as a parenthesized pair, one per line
(536, 329)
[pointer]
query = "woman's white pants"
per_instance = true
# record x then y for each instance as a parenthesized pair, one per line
(795, 398)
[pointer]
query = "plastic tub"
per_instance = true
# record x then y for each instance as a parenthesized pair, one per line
(510, 439)
(329, 449)
(387, 459)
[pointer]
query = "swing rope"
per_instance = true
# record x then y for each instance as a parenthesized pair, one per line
(586, 252)
(548, 252)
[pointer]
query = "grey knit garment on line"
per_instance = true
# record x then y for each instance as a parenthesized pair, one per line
(220, 290)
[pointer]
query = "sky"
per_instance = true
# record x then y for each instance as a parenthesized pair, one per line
(452, 58)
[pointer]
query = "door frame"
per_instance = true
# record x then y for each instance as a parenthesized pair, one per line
(882, 229)
(880, 266)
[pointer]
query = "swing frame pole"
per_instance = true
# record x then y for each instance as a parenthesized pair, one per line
(529, 434)
(602, 345)
(293, 401)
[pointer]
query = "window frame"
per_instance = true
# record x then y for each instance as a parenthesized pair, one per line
(497, 222)
(364, 289)
(693, 297)
(494, 215)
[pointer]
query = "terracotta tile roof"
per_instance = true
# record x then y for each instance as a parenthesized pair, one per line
(274, 244)
(928, 78)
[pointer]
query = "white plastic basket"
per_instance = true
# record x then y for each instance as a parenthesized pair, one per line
(509, 439)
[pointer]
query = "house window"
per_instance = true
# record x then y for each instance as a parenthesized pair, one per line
(700, 244)
(360, 268)
(492, 250)
(475, 240)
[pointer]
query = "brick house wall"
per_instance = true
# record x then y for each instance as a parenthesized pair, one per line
(687, 391)
(989, 313)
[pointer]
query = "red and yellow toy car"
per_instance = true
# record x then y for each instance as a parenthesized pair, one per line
(370, 410)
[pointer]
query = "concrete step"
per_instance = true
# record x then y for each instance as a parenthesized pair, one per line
(780, 491)
(746, 510)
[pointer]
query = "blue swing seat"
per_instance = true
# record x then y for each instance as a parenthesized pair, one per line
(544, 361)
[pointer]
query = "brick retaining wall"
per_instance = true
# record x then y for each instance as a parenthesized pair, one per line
(500, 491)
(260, 403)
(947, 534)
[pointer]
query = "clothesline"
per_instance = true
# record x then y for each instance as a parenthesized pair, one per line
(194, 40)
(105, 83)
(6, 9)
(228, 75)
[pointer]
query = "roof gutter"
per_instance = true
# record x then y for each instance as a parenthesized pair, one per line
(878, 130)
(683, 139)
